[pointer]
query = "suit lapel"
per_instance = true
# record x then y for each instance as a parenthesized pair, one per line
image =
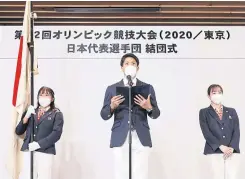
(120, 83)
(214, 114)
(225, 114)
(35, 116)
(138, 82)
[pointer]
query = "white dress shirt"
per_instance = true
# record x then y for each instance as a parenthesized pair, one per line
(125, 81)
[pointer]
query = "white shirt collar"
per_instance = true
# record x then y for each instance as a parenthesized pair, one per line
(125, 81)
(217, 108)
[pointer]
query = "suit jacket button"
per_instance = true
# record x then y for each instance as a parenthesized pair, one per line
(223, 136)
(222, 128)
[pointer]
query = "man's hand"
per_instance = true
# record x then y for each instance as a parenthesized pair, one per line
(142, 102)
(115, 101)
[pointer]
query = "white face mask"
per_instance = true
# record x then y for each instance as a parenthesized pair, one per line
(217, 98)
(44, 101)
(130, 70)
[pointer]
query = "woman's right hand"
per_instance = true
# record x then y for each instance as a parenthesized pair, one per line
(30, 111)
(228, 153)
(224, 149)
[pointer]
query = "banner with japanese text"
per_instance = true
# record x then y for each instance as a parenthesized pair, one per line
(112, 41)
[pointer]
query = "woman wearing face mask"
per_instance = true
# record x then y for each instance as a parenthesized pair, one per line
(48, 125)
(220, 128)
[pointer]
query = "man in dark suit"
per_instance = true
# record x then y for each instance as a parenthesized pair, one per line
(220, 128)
(140, 128)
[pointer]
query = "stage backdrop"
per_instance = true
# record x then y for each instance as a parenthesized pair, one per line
(79, 62)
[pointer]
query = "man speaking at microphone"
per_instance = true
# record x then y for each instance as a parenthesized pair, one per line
(141, 138)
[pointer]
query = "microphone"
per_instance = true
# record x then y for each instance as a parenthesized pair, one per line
(130, 82)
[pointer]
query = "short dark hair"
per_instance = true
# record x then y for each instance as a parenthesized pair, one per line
(129, 55)
(214, 86)
(48, 90)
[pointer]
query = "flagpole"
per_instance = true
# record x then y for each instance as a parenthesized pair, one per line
(31, 48)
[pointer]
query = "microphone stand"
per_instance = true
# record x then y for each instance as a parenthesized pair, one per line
(130, 128)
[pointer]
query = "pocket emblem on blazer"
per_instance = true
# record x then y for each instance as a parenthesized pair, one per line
(49, 118)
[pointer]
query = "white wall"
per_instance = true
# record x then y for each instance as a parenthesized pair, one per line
(180, 84)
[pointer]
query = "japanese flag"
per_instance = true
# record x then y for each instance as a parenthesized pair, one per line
(21, 93)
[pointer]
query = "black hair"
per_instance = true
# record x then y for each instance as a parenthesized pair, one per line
(214, 86)
(129, 55)
(49, 91)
